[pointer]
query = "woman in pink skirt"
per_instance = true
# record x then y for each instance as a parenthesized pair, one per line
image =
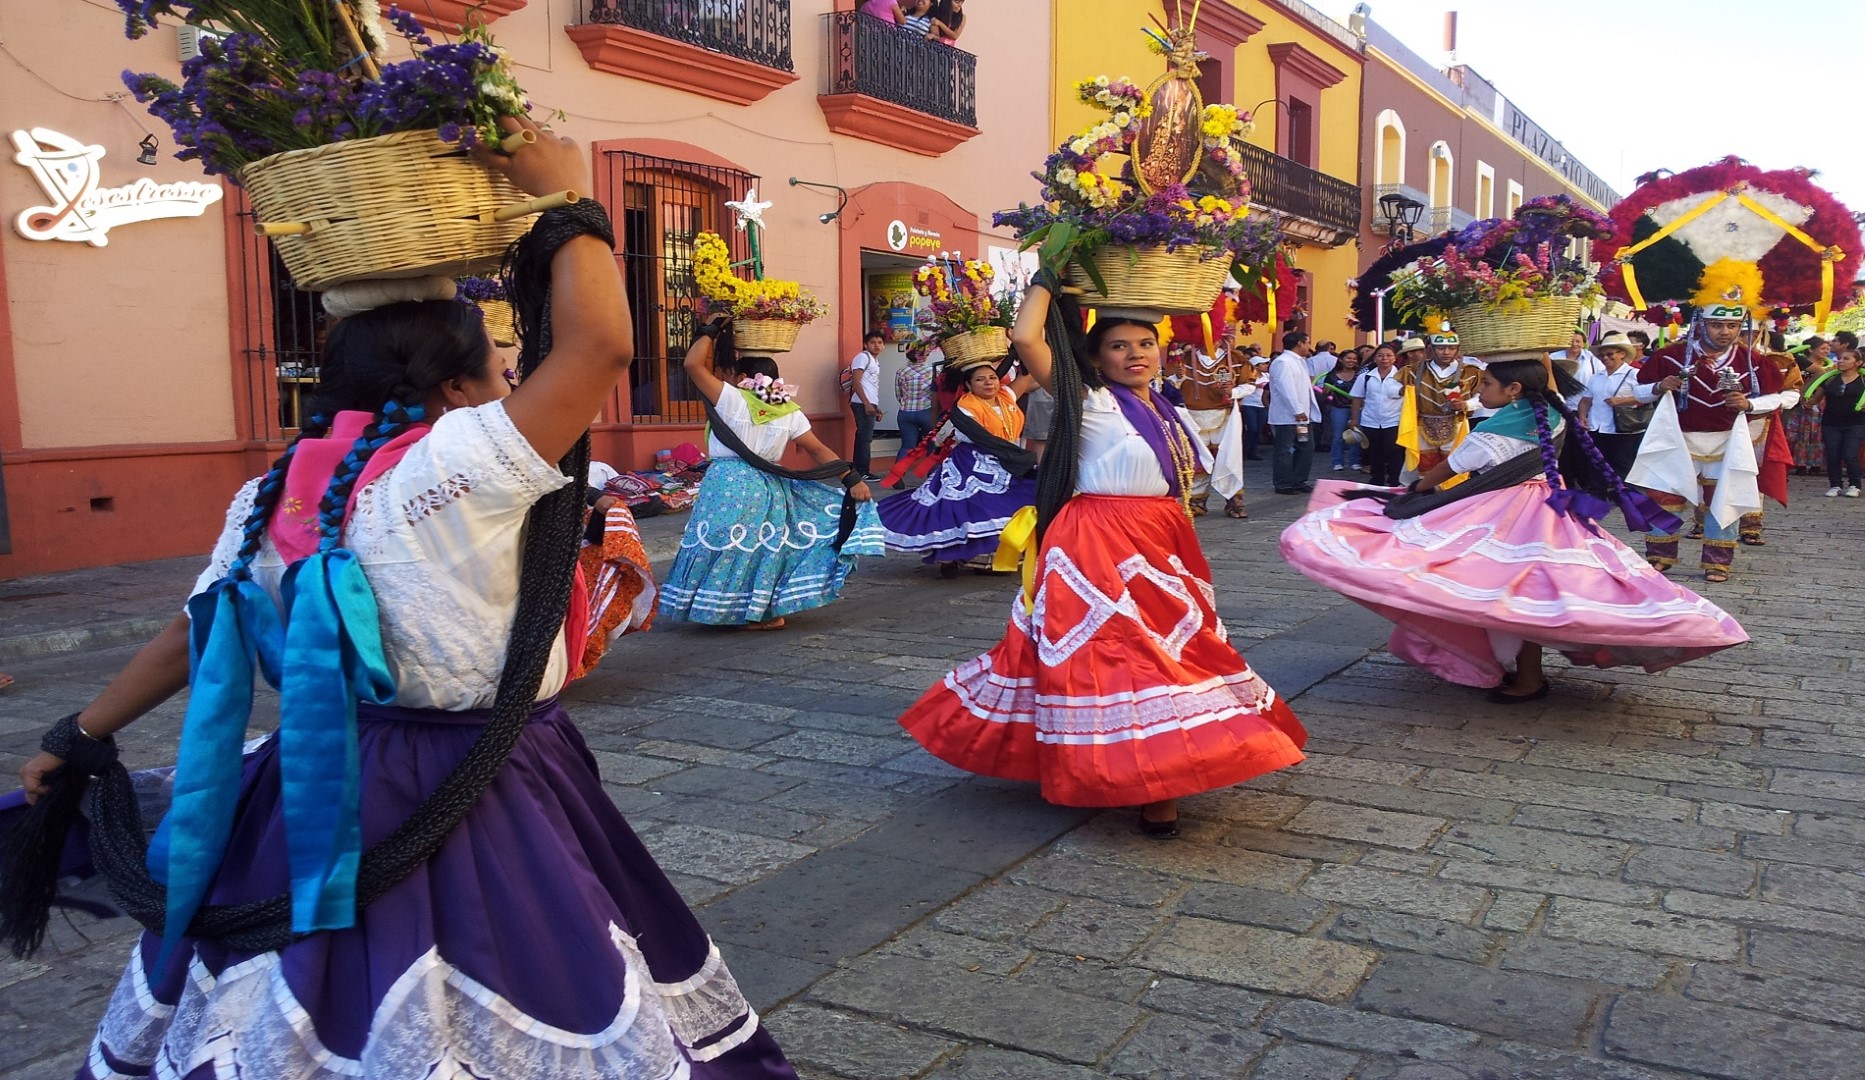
(1479, 578)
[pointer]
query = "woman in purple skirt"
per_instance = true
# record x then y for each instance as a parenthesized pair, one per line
(957, 515)
(418, 875)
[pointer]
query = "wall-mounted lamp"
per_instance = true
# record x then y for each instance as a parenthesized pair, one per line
(840, 191)
(1401, 213)
(148, 143)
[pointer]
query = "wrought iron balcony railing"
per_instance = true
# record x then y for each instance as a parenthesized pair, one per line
(1443, 219)
(754, 30)
(1295, 190)
(872, 56)
(1380, 225)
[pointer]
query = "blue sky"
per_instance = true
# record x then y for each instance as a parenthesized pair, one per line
(1633, 85)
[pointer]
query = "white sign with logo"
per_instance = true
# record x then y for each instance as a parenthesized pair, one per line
(80, 211)
(897, 235)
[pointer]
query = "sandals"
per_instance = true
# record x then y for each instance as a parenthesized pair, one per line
(1159, 830)
(1234, 508)
(1753, 541)
(1715, 575)
(1200, 505)
(1498, 697)
(766, 625)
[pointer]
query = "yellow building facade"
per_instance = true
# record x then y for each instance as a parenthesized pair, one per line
(1299, 74)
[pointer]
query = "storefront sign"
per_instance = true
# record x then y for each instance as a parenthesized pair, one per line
(897, 235)
(913, 239)
(80, 211)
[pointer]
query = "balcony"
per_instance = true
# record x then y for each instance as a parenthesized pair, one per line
(1439, 220)
(1314, 205)
(732, 50)
(889, 86)
(1380, 191)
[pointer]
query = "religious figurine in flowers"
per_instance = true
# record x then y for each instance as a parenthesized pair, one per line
(764, 541)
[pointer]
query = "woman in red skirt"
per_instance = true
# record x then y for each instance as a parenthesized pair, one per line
(1114, 684)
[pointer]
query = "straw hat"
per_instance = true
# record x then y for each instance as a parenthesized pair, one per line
(1614, 340)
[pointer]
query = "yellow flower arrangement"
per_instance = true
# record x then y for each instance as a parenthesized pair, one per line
(765, 298)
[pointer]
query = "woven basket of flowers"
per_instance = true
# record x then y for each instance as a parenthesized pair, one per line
(767, 314)
(969, 322)
(355, 169)
(1149, 208)
(1544, 322)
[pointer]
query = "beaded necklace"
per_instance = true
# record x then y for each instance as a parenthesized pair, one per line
(1183, 462)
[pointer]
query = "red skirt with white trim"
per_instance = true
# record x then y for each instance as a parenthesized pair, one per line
(1118, 687)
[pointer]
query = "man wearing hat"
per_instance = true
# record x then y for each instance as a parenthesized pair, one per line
(1440, 391)
(1610, 410)
(1715, 381)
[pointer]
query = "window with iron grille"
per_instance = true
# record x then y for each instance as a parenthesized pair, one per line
(660, 206)
(283, 330)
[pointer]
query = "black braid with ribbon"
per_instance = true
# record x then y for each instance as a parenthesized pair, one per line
(553, 537)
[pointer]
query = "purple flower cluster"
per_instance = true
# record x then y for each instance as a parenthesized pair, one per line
(476, 289)
(435, 89)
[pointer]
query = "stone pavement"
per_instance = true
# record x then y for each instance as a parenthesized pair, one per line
(1639, 878)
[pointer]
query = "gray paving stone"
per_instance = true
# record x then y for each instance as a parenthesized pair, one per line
(762, 819)
(1516, 1005)
(1260, 809)
(990, 1063)
(1638, 830)
(1813, 956)
(1538, 848)
(1821, 785)
(1845, 828)
(1384, 827)
(854, 1045)
(1473, 744)
(631, 769)
(1776, 992)
(970, 953)
(1097, 929)
(998, 912)
(1764, 914)
(1438, 803)
(1259, 959)
(1030, 1017)
(837, 748)
(1086, 975)
(1305, 1061)
(724, 732)
(1828, 853)
(1699, 870)
(1370, 1032)
(1579, 960)
(1720, 1041)
(732, 785)
(1513, 911)
(1392, 891)
(973, 826)
(1257, 907)
(1410, 933)
(1176, 1048)
(1666, 767)
(1573, 796)
(1294, 845)
(1525, 880)
(1107, 881)
(1644, 929)
(1365, 770)
(1103, 840)
(732, 857)
(1228, 1006)
(1811, 886)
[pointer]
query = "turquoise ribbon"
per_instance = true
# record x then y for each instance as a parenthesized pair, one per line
(333, 658)
(230, 623)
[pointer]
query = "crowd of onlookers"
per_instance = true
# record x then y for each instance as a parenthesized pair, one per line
(935, 20)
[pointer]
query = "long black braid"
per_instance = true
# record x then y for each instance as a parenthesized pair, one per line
(1072, 373)
(553, 535)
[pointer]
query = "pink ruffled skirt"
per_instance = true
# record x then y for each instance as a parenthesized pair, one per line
(1467, 584)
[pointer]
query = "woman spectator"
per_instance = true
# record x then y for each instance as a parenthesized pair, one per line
(948, 21)
(916, 17)
(1377, 397)
(1335, 389)
(887, 10)
(1841, 394)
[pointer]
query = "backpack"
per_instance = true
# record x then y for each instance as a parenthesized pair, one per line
(848, 380)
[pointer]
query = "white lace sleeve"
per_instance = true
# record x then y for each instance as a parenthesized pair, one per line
(227, 548)
(1481, 450)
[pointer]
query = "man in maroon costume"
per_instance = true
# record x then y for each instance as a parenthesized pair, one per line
(1716, 379)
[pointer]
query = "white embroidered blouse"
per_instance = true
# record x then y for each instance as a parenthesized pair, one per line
(440, 538)
(1115, 459)
(765, 440)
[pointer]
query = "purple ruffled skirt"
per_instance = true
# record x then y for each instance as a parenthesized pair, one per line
(541, 941)
(960, 511)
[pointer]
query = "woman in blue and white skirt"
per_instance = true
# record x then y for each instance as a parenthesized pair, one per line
(764, 542)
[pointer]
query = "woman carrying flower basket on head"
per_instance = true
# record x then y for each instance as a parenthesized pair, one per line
(1114, 685)
(421, 869)
(764, 541)
(957, 515)
(1479, 578)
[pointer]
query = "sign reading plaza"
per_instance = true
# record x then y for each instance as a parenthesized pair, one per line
(80, 211)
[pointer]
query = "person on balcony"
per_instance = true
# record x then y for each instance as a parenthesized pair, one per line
(948, 21)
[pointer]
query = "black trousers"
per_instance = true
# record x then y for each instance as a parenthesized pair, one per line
(1384, 459)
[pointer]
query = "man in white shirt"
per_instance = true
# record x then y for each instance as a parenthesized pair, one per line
(865, 399)
(1322, 360)
(1293, 411)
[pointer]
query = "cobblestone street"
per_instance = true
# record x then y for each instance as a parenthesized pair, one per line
(1641, 877)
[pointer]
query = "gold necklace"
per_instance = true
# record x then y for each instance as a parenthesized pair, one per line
(1183, 462)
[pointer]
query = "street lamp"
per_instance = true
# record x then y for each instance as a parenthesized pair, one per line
(840, 191)
(1401, 213)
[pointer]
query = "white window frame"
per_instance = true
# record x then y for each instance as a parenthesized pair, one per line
(1485, 192)
(1448, 196)
(1514, 198)
(1387, 119)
